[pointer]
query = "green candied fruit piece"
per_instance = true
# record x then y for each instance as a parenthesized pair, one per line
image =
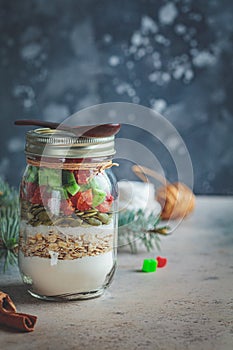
(94, 184)
(62, 191)
(91, 184)
(101, 181)
(32, 174)
(98, 197)
(149, 265)
(50, 177)
(69, 181)
(84, 187)
(54, 178)
(43, 178)
(68, 177)
(98, 194)
(73, 188)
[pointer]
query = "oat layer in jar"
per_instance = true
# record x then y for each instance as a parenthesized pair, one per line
(68, 229)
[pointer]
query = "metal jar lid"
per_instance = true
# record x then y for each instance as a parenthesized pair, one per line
(46, 142)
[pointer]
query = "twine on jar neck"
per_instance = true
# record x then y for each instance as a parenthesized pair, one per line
(97, 167)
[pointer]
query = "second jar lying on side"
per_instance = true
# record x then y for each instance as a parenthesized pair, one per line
(68, 230)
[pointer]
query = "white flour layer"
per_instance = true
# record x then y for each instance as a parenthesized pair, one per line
(66, 276)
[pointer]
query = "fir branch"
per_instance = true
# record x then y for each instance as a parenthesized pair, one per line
(8, 194)
(135, 227)
(9, 224)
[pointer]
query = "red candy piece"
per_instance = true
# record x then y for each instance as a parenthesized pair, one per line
(82, 176)
(162, 262)
(66, 207)
(40, 196)
(27, 190)
(82, 200)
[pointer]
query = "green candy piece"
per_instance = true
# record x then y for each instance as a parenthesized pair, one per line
(98, 194)
(50, 177)
(68, 177)
(32, 174)
(84, 187)
(54, 178)
(73, 188)
(149, 265)
(91, 184)
(98, 197)
(69, 181)
(94, 184)
(43, 178)
(64, 194)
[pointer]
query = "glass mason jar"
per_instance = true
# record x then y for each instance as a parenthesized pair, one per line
(68, 228)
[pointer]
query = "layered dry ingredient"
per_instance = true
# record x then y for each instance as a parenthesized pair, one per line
(68, 242)
(66, 215)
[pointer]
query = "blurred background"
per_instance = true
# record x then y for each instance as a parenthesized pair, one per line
(175, 57)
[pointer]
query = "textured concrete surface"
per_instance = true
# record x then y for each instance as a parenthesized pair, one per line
(174, 56)
(187, 305)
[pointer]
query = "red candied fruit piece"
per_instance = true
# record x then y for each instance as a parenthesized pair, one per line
(66, 206)
(74, 200)
(27, 190)
(40, 196)
(82, 176)
(36, 196)
(162, 262)
(106, 205)
(83, 200)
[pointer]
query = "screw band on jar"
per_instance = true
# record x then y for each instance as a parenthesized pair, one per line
(72, 166)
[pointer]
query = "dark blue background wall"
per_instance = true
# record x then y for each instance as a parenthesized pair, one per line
(173, 56)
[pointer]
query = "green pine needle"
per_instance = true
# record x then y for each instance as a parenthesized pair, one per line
(9, 224)
(8, 194)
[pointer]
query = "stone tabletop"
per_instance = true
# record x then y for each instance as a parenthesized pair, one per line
(187, 305)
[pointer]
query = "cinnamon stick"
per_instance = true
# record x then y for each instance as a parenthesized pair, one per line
(9, 317)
